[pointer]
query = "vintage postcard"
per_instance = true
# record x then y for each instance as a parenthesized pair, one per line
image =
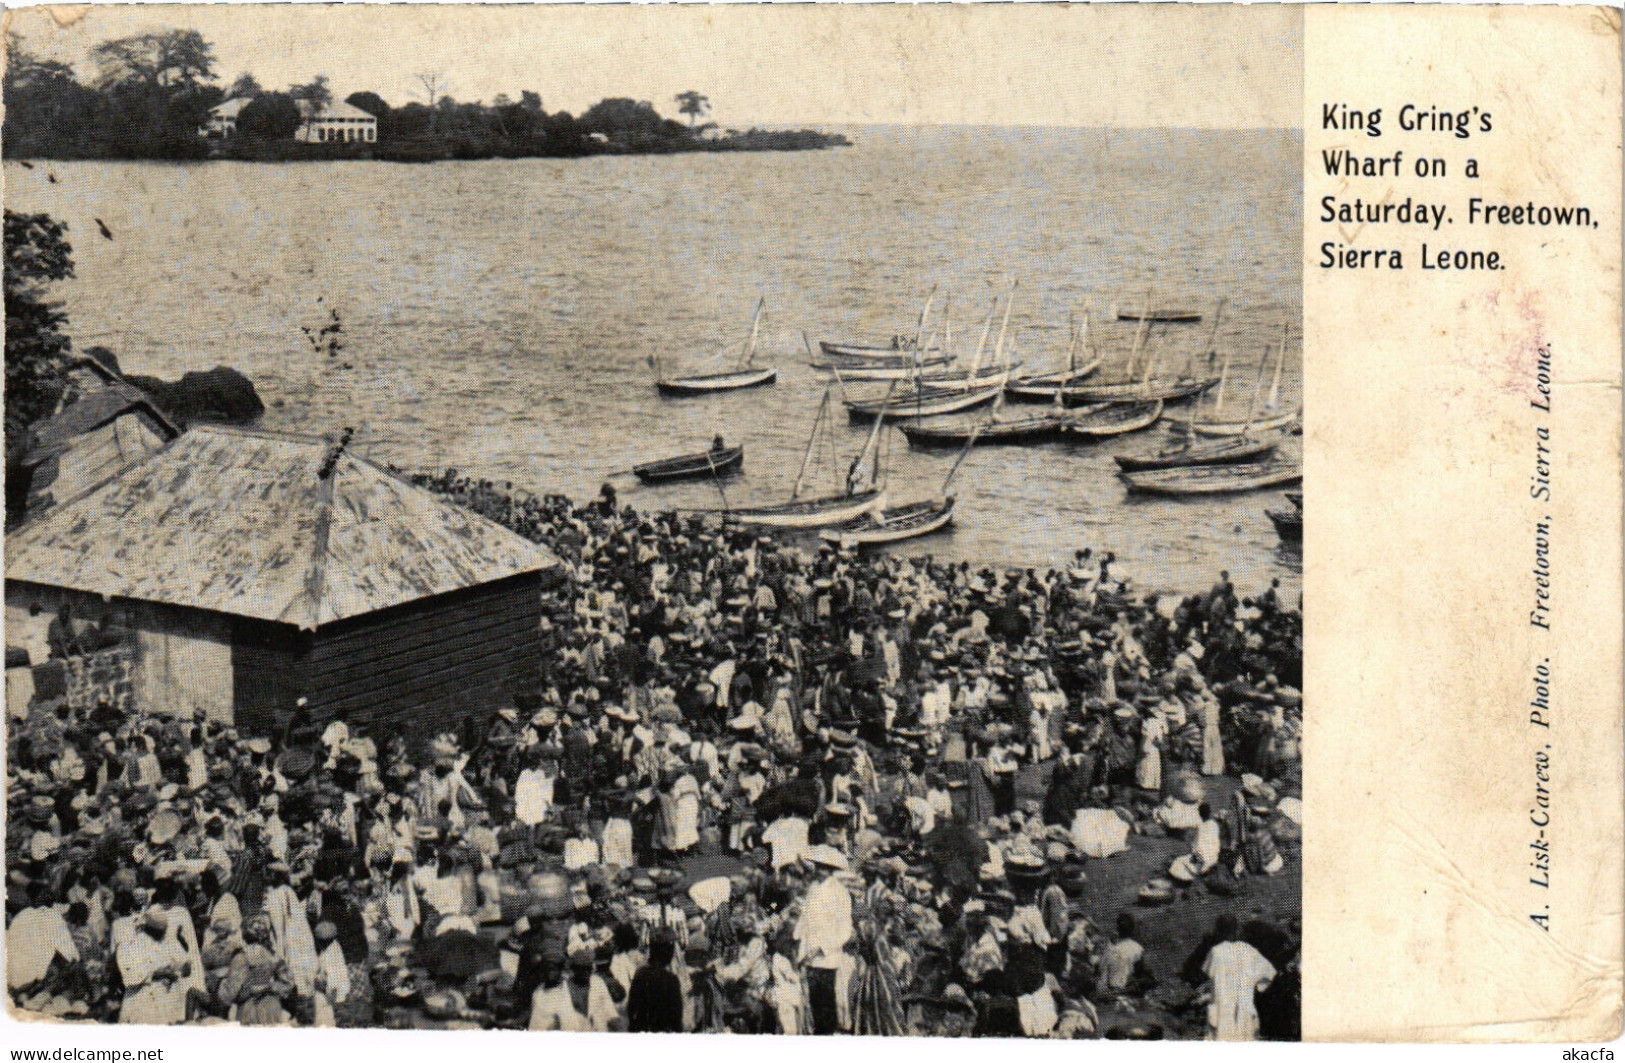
(1085, 522)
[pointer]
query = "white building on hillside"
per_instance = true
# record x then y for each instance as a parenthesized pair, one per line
(336, 123)
(222, 120)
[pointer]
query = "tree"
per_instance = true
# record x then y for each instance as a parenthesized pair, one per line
(270, 116)
(244, 88)
(316, 93)
(37, 255)
(531, 101)
(47, 111)
(171, 61)
(622, 119)
(692, 104)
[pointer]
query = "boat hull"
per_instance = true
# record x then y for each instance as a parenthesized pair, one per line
(692, 466)
(878, 368)
(867, 350)
(1288, 524)
(1040, 429)
(948, 381)
(1214, 479)
(1222, 453)
(1042, 387)
(1167, 389)
(715, 382)
(1163, 316)
(894, 525)
(1225, 429)
(865, 411)
(1115, 419)
(814, 513)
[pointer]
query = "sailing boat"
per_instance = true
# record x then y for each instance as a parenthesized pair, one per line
(1274, 417)
(909, 521)
(899, 345)
(931, 395)
(893, 365)
(847, 503)
(743, 375)
(1150, 387)
(1025, 427)
(1051, 387)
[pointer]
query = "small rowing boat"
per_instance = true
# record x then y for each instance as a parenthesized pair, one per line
(901, 367)
(894, 524)
(714, 462)
(901, 346)
(1164, 388)
(743, 375)
(941, 380)
(1160, 316)
(1221, 452)
(1220, 429)
(1113, 419)
(1052, 387)
(1215, 479)
(810, 512)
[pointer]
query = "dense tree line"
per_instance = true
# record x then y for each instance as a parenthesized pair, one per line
(152, 93)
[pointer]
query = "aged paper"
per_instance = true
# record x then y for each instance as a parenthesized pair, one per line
(502, 637)
(1435, 491)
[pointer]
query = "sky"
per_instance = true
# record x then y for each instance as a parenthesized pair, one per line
(1127, 65)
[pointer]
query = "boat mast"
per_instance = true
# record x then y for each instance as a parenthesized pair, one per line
(1139, 337)
(1212, 340)
(1224, 379)
(998, 348)
(981, 344)
(874, 435)
(963, 454)
(812, 439)
(755, 329)
(1258, 385)
(925, 312)
(1280, 363)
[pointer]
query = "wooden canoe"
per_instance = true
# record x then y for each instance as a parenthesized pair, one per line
(899, 368)
(691, 466)
(894, 524)
(1215, 479)
(1114, 419)
(1165, 316)
(1042, 387)
(953, 431)
(928, 402)
(709, 383)
(1288, 524)
(1220, 452)
(812, 512)
(1219, 429)
(940, 380)
(866, 350)
(1167, 388)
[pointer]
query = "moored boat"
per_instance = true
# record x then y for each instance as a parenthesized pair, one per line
(742, 375)
(810, 512)
(709, 383)
(1221, 429)
(894, 524)
(1160, 316)
(1215, 479)
(1220, 452)
(1288, 524)
(714, 462)
(926, 402)
(1164, 388)
(954, 430)
(901, 367)
(1113, 419)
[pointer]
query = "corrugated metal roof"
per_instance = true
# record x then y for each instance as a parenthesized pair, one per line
(242, 523)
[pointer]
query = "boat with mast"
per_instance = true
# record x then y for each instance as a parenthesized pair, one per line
(1027, 426)
(1273, 418)
(1146, 385)
(1113, 419)
(743, 375)
(908, 521)
(1052, 387)
(849, 500)
(1218, 452)
(900, 345)
(929, 396)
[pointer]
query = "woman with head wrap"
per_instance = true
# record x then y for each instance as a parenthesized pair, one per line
(258, 980)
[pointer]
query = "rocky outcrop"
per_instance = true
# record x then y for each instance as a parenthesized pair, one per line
(222, 395)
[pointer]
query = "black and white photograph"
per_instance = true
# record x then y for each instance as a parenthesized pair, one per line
(777, 519)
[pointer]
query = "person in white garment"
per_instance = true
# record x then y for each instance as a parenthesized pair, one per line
(1235, 971)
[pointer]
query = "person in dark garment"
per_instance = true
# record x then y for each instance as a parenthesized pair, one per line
(654, 1004)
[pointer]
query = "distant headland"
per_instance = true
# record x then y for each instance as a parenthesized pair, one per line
(157, 96)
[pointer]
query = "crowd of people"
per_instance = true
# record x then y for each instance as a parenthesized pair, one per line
(750, 786)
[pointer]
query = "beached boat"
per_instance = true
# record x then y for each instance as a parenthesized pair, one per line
(1288, 524)
(714, 462)
(1221, 452)
(1113, 419)
(894, 524)
(743, 375)
(1215, 479)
